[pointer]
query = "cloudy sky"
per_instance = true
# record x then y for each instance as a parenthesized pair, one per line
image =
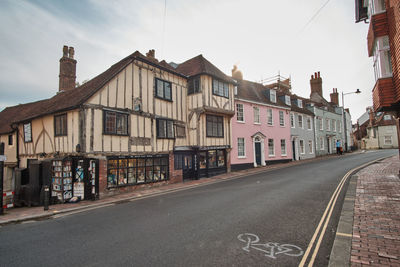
(263, 37)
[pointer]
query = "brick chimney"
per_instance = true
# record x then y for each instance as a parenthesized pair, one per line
(67, 77)
(236, 73)
(335, 97)
(151, 53)
(316, 83)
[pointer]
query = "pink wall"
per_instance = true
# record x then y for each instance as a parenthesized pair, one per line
(249, 128)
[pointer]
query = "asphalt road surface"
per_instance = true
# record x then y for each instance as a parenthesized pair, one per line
(266, 219)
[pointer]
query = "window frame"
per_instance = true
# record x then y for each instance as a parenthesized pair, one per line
(217, 120)
(25, 125)
(64, 128)
(311, 146)
(239, 111)
(216, 91)
(302, 147)
(292, 120)
(169, 130)
(321, 143)
(281, 118)
(284, 151)
(194, 85)
(385, 140)
(272, 95)
(270, 117)
(164, 82)
(118, 116)
(328, 124)
(256, 114)
(269, 148)
(10, 140)
(243, 154)
(309, 123)
(301, 121)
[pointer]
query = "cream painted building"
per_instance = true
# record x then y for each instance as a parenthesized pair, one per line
(142, 121)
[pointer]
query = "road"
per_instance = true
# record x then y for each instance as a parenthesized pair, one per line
(195, 227)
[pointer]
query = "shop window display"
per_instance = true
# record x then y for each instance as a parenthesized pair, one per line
(131, 171)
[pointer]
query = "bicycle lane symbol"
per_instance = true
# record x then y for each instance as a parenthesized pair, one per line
(270, 249)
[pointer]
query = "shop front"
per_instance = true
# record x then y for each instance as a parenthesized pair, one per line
(201, 162)
(136, 170)
(74, 177)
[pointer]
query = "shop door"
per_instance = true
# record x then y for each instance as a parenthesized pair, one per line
(258, 153)
(86, 178)
(188, 167)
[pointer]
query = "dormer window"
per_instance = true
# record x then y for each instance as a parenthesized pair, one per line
(287, 100)
(272, 95)
(299, 103)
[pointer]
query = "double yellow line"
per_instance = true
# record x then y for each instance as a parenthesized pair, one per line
(327, 216)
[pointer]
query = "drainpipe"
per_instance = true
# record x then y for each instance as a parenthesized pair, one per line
(17, 141)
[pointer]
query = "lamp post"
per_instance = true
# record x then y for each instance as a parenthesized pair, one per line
(344, 116)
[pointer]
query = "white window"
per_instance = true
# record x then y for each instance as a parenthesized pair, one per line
(281, 119)
(269, 117)
(299, 103)
(272, 96)
(376, 6)
(334, 125)
(388, 139)
(387, 117)
(382, 60)
(283, 147)
(309, 126)
(241, 148)
(328, 124)
(300, 118)
(302, 149)
(321, 124)
(239, 112)
(287, 100)
(292, 120)
(271, 149)
(310, 146)
(321, 143)
(256, 112)
(339, 126)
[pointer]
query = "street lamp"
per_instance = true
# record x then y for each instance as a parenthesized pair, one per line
(344, 116)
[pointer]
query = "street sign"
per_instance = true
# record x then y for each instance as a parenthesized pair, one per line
(3, 158)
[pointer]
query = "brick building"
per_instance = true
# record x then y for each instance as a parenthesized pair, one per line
(383, 42)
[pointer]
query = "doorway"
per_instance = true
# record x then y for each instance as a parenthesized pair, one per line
(257, 146)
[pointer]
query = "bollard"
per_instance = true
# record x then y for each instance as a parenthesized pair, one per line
(46, 197)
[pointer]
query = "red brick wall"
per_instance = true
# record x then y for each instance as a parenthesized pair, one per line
(393, 13)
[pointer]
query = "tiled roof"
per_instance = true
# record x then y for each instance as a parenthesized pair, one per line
(294, 107)
(200, 65)
(73, 98)
(255, 92)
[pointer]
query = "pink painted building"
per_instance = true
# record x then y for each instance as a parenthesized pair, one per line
(260, 127)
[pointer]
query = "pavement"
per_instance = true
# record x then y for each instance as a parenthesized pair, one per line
(22, 214)
(368, 232)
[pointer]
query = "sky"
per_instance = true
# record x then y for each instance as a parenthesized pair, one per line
(263, 37)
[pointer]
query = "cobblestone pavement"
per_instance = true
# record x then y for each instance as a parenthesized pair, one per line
(376, 227)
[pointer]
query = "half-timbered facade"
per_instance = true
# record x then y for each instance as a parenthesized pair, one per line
(141, 121)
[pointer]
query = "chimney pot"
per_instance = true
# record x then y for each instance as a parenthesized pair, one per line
(65, 51)
(71, 52)
(319, 75)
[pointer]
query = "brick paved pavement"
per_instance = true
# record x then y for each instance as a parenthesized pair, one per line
(376, 226)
